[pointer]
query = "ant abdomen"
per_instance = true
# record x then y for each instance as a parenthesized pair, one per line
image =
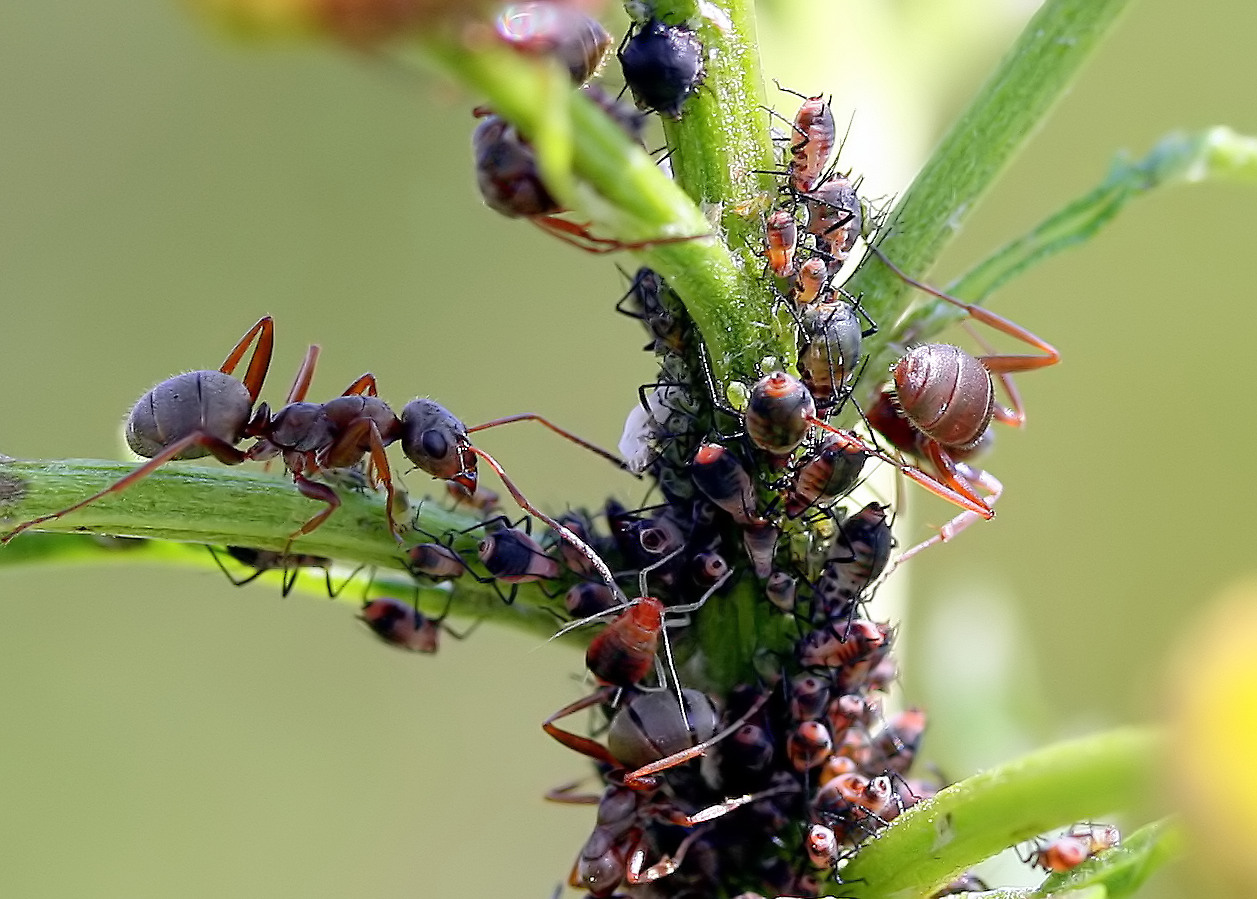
(652, 727)
(946, 393)
(209, 402)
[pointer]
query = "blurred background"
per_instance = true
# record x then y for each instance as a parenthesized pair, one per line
(163, 186)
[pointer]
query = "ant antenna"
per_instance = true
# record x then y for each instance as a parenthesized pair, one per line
(594, 559)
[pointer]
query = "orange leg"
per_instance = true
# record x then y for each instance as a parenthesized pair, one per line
(260, 362)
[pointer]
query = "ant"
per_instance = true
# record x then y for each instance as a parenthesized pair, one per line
(646, 737)
(941, 403)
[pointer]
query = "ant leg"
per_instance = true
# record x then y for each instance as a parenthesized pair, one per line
(363, 386)
(353, 436)
(949, 531)
(316, 491)
(220, 449)
(260, 361)
(599, 565)
(562, 432)
(305, 374)
(643, 778)
(948, 485)
(567, 795)
(579, 236)
(1050, 356)
(583, 745)
(634, 872)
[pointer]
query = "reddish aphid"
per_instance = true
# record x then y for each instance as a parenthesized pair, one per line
(1071, 849)
(624, 652)
(401, 625)
(814, 137)
(782, 234)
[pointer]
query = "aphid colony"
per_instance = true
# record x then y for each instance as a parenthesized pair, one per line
(766, 787)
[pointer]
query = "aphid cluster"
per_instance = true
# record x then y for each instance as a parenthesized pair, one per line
(766, 787)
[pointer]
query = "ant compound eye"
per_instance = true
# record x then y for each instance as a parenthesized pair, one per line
(434, 443)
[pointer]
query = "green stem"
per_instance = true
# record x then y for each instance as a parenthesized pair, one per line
(606, 179)
(932, 843)
(233, 507)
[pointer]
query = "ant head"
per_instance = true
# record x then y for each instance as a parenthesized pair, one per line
(436, 441)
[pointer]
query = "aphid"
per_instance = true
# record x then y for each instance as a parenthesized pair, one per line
(588, 598)
(663, 66)
(897, 743)
(839, 643)
(511, 555)
(483, 501)
(830, 343)
(652, 302)
(809, 745)
(809, 697)
(558, 31)
(510, 183)
(264, 560)
(857, 558)
(965, 883)
(723, 479)
(834, 219)
(814, 134)
(779, 413)
(402, 625)
(1072, 848)
(760, 541)
(507, 172)
(190, 416)
(809, 281)
(822, 846)
(781, 590)
(782, 234)
(436, 561)
(624, 652)
(710, 568)
(829, 472)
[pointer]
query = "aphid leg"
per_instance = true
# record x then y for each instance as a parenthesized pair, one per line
(235, 581)
(259, 362)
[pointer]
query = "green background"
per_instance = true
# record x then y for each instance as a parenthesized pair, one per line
(161, 187)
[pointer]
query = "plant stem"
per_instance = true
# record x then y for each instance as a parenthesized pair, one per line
(931, 843)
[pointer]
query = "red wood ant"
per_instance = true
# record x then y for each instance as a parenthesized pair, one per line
(189, 416)
(651, 733)
(942, 401)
